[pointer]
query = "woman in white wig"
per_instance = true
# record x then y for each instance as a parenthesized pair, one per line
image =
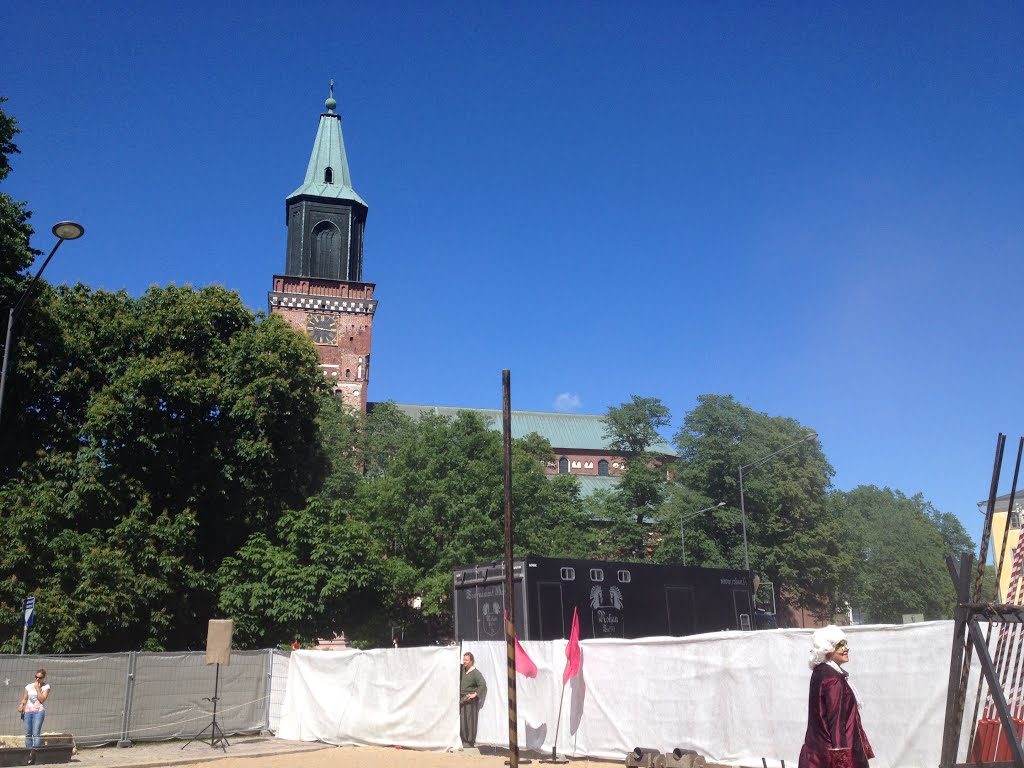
(835, 737)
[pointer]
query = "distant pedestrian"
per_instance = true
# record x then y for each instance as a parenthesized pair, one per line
(472, 690)
(835, 737)
(32, 710)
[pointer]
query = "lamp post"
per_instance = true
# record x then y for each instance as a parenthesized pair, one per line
(809, 437)
(683, 519)
(64, 230)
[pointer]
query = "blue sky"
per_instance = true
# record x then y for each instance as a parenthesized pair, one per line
(814, 207)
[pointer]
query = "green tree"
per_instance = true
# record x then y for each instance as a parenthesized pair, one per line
(156, 436)
(382, 434)
(549, 516)
(705, 532)
(792, 534)
(632, 429)
(898, 563)
(954, 536)
(321, 571)
(437, 501)
(341, 435)
(15, 231)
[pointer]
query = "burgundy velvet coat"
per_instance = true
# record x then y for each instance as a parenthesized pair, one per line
(835, 737)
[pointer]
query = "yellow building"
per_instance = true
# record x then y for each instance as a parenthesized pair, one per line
(1006, 595)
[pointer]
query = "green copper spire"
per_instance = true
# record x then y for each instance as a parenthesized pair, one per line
(327, 174)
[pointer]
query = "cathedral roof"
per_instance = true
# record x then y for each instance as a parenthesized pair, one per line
(328, 154)
(582, 431)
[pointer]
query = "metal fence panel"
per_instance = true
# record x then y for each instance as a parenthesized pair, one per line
(123, 697)
(278, 681)
(86, 693)
(172, 694)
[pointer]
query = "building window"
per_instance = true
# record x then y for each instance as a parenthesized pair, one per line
(563, 466)
(325, 258)
(1015, 517)
(602, 468)
(328, 175)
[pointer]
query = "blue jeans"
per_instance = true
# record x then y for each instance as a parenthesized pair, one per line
(33, 725)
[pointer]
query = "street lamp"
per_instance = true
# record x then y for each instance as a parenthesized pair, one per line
(809, 437)
(64, 230)
(682, 519)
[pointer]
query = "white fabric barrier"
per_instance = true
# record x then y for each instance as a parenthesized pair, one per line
(735, 697)
(404, 696)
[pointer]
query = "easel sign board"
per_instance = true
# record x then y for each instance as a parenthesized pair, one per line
(218, 641)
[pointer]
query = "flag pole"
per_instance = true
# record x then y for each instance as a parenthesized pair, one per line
(554, 746)
(572, 668)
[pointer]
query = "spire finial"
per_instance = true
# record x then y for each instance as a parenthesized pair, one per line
(331, 103)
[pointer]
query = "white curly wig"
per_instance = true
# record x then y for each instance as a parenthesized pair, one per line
(825, 641)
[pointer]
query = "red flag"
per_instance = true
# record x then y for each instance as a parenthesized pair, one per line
(573, 656)
(524, 664)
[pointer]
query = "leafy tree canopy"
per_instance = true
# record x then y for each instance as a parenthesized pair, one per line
(897, 554)
(156, 436)
(15, 231)
(436, 500)
(633, 427)
(792, 536)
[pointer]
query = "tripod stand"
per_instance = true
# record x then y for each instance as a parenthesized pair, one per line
(217, 737)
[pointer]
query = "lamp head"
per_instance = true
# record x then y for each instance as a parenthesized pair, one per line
(68, 230)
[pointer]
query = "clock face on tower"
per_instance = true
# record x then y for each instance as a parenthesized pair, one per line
(322, 329)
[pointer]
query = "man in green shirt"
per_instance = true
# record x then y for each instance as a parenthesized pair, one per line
(472, 690)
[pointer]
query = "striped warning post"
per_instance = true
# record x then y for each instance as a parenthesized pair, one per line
(513, 727)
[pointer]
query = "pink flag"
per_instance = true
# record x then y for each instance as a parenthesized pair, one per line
(573, 656)
(524, 664)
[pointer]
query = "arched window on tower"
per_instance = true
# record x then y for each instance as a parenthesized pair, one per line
(563, 466)
(326, 247)
(602, 468)
(328, 175)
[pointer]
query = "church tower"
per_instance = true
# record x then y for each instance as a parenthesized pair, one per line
(322, 292)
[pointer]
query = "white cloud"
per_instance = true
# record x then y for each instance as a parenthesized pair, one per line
(567, 401)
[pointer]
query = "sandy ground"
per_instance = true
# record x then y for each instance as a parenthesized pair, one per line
(264, 752)
(379, 757)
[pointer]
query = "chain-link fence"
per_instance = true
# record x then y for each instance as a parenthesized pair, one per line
(125, 697)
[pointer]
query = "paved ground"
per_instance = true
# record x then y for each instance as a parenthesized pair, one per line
(270, 752)
(181, 753)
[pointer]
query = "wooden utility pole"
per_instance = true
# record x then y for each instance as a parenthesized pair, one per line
(510, 641)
